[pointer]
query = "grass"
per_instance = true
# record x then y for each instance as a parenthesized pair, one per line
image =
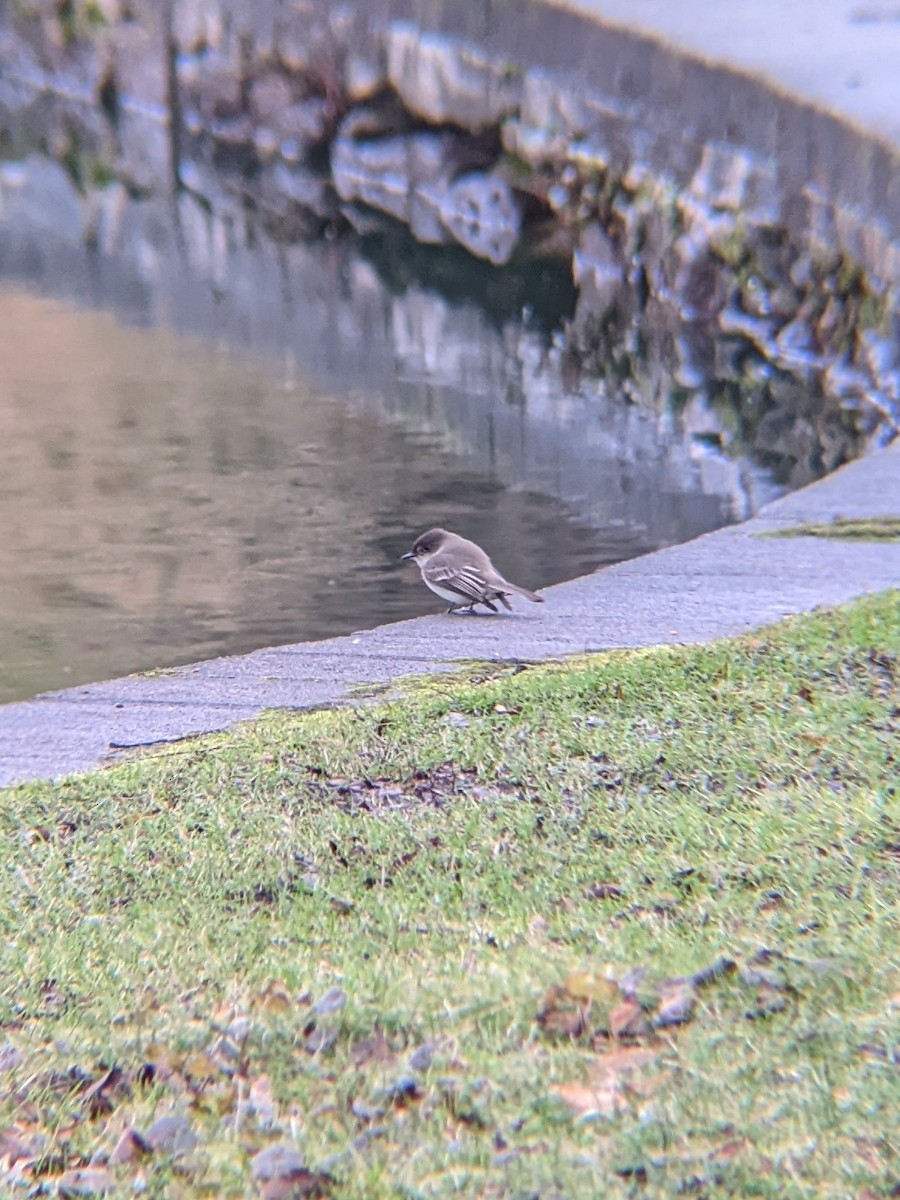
(867, 529)
(625, 927)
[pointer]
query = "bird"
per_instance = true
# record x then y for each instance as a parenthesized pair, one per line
(461, 573)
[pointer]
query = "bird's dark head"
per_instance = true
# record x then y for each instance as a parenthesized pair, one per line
(427, 545)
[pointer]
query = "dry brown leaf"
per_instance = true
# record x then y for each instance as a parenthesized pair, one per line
(730, 1150)
(677, 998)
(768, 1001)
(274, 999)
(200, 1068)
(85, 1181)
(604, 891)
(106, 1092)
(16, 1144)
(306, 1185)
(130, 1147)
(562, 1014)
(628, 1020)
(374, 1048)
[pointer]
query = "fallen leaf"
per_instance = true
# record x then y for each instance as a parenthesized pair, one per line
(628, 1019)
(677, 998)
(86, 1181)
(277, 1162)
(716, 969)
(172, 1135)
(274, 999)
(15, 1145)
(374, 1048)
(366, 1111)
(157, 1068)
(200, 1068)
(421, 1058)
(400, 1090)
(762, 977)
(305, 1185)
(562, 1014)
(604, 891)
(333, 1001)
(319, 1041)
(105, 1093)
(879, 1053)
(130, 1147)
(767, 1002)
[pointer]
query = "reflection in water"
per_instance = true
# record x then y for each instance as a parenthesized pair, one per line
(162, 501)
(253, 479)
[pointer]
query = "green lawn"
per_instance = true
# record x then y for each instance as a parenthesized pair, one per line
(624, 927)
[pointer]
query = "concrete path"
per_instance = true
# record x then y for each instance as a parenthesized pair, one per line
(844, 55)
(726, 582)
(841, 54)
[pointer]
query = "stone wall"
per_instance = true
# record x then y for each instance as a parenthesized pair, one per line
(744, 225)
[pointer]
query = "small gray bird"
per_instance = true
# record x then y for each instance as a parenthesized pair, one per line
(462, 574)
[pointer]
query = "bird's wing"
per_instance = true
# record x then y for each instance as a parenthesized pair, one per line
(466, 581)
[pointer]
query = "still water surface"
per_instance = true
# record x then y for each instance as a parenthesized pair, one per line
(164, 500)
(213, 440)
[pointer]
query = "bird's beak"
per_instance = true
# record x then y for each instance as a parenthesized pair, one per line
(408, 554)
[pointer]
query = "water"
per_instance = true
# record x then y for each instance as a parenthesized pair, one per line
(213, 440)
(162, 501)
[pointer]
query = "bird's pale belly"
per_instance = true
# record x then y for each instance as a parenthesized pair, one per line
(453, 598)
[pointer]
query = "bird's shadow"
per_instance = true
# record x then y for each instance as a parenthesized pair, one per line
(491, 616)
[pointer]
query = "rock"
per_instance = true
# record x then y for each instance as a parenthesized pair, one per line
(233, 131)
(306, 122)
(211, 87)
(556, 123)
(269, 96)
(364, 77)
(138, 63)
(446, 80)
(403, 176)
(730, 179)
(197, 24)
(482, 214)
(595, 258)
(301, 187)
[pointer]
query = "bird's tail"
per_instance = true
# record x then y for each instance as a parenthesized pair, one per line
(520, 591)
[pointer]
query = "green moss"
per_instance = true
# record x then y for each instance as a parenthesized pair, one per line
(868, 529)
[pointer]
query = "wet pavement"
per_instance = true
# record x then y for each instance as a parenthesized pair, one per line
(723, 583)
